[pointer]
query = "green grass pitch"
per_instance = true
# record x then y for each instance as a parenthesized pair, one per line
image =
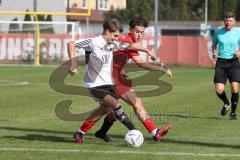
(30, 129)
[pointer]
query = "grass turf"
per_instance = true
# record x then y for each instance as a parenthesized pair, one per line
(30, 129)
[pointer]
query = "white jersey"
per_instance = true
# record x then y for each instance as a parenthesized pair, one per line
(99, 69)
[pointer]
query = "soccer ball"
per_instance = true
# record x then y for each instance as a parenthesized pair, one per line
(134, 138)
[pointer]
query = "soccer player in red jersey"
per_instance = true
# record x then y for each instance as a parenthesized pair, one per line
(123, 86)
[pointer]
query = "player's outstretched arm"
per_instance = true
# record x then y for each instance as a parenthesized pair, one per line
(137, 47)
(71, 54)
(152, 67)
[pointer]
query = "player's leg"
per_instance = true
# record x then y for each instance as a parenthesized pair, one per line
(89, 123)
(220, 79)
(219, 88)
(118, 111)
(234, 78)
(110, 118)
(234, 100)
(107, 124)
(111, 100)
(98, 94)
(132, 98)
(108, 103)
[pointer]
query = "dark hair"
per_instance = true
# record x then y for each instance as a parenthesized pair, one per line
(229, 14)
(112, 25)
(138, 21)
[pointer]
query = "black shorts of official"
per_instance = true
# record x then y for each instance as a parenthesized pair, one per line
(98, 93)
(227, 69)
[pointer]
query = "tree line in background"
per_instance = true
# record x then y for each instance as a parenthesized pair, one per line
(169, 10)
(29, 28)
(176, 10)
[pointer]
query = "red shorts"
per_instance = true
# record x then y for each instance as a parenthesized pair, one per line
(122, 85)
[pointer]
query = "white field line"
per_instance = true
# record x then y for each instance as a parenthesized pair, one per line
(12, 83)
(188, 154)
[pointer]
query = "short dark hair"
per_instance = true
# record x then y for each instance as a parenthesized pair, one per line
(112, 25)
(138, 21)
(229, 14)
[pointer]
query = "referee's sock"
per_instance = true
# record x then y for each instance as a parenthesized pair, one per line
(223, 97)
(123, 118)
(234, 101)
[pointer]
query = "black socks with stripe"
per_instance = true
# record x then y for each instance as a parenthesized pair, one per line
(234, 101)
(223, 97)
(123, 118)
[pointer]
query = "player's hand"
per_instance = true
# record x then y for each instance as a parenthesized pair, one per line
(214, 54)
(73, 69)
(73, 72)
(152, 55)
(153, 58)
(237, 53)
(169, 73)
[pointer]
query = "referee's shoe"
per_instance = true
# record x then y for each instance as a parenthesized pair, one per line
(225, 109)
(233, 116)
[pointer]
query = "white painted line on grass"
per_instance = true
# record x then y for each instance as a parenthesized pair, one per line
(12, 83)
(120, 152)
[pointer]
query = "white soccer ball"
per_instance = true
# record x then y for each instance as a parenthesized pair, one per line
(134, 138)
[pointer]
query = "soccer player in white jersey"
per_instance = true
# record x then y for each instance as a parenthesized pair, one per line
(98, 76)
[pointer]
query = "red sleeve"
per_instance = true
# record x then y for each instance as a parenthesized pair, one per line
(132, 53)
(120, 39)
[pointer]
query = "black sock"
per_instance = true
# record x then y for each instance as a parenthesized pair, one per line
(234, 101)
(107, 123)
(223, 97)
(123, 118)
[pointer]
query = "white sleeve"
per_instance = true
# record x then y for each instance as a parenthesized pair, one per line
(86, 44)
(121, 45)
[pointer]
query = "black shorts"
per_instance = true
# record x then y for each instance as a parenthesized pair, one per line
(98, 93)
(227, 69)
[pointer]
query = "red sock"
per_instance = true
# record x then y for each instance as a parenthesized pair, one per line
(149, 125)
(87, 125)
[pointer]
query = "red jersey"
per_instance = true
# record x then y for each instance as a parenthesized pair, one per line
(120, 59)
